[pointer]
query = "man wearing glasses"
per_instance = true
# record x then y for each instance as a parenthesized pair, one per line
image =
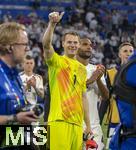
(13, 46)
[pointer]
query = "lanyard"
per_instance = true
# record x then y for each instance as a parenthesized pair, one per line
(12, 89)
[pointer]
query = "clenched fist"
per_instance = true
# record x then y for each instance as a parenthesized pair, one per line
(31, 82)
(55, 17)
(97, 74)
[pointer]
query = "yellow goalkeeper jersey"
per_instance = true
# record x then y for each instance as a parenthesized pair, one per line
(67, 81)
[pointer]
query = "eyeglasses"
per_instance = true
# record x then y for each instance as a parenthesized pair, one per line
(23, 44)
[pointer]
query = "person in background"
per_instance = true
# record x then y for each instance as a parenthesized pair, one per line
(126, 49)
(96, 88)
(124, 137)
(32, 82)
(67, 82)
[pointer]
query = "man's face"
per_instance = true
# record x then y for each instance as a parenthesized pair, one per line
(20, 47)
(70, 45)
(85, 50)
(125, 52)
(28, 65)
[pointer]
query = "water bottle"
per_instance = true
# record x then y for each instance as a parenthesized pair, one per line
(90, 142)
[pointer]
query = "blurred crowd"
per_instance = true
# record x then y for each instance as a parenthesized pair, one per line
(107, 28)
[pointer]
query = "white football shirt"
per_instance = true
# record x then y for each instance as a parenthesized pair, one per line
(31, 94)
(93, 96)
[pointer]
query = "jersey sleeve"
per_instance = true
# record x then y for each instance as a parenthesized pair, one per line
(84, 81)
(39, 84)
(56, 61)
(103, 80)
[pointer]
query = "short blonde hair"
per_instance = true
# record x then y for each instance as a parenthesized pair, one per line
(9, 33)
(70, 33)
(124, 44)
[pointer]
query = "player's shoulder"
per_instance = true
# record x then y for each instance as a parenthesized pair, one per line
(22, 73)
(37, 75)
(80, 65)
(91, 67)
